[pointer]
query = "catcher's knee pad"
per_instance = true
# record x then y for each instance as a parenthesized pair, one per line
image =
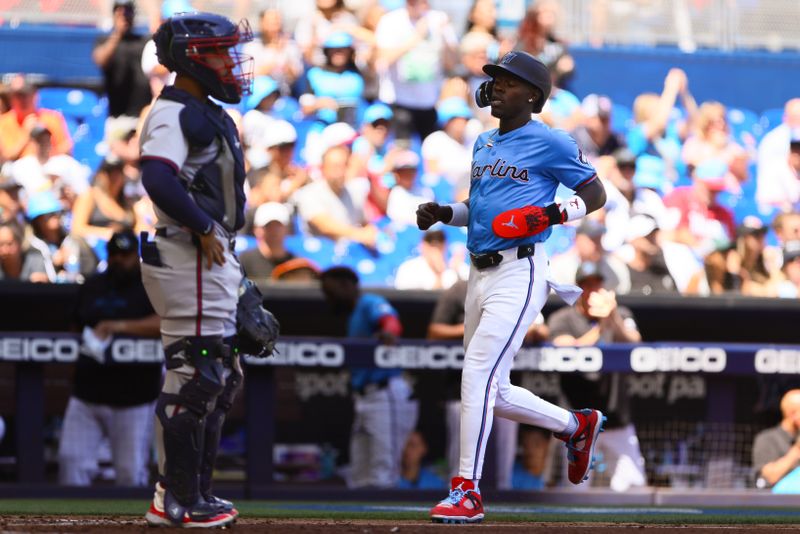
(183, 430)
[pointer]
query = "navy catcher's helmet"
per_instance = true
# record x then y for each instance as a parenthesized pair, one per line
(523, 66)
(202, 45)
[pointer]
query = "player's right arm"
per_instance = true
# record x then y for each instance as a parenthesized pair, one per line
(430, 213)
(164, 151)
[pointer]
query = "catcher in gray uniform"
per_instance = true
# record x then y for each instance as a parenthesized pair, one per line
(193, 170)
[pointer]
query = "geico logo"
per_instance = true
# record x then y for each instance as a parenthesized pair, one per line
(420, 357)
(137, 350)
(561, 359)
(685, 359)
(780, 361)
(38, 349)
(303, 354)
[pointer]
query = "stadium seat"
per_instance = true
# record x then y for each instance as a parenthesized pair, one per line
(320, 250)
(621, 118)
(72, 102)
(771, 118)
(744, 121)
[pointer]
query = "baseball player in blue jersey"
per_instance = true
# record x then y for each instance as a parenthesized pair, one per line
(515, 172)
(193, 170)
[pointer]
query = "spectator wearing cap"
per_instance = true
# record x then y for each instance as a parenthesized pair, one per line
(332, 206)
(103, 209)
(448, 152)
(620, 168)
(18, 124)
(372, 145)
(44, 171)
(789, 286)
(334, 89)
(111, 399)
(311, 31)
(270, 226)
(407, 193)
(597, 318)
(62, 254)
(711, 140)
(321, 137)
(757, 279)
(373, 154)
(416, 46)
(67, 178)
(296, 271)
(119, 56)
(275, 53)
(258, 119)
(281, 177)
(594, 135)
(777, 184)
(18, 262)
(704, 224)
(588, 247)
(429, 270)
(10, 205)
(647, 266)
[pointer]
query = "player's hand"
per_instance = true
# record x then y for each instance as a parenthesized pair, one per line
(526, 221)
(213, 249)
(430, 213)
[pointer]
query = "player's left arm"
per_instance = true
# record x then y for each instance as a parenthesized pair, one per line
(569, 166)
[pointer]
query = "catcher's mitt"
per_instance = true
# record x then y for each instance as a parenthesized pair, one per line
(256, 328)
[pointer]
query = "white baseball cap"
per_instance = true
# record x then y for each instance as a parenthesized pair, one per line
(336, 134)
(280, 132)
(271, 211)
(640, 226)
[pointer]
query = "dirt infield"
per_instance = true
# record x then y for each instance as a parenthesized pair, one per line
(100, 524)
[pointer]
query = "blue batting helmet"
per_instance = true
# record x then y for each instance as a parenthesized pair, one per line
(528, 69)
(202, 46)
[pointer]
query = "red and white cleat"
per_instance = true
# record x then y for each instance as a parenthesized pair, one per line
(201, 516)
(463, 505)
(581, 444)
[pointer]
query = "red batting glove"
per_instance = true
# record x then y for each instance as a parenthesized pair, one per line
(526, 221)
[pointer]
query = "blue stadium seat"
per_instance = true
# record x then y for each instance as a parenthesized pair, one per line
(320, 250)
(744, 121)
(771, 118)
(72, 102)
(244, 242)
(621, 118)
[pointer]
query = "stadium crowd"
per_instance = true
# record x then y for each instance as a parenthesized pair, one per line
(355, 118)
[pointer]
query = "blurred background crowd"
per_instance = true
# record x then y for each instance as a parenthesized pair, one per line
(362, 110)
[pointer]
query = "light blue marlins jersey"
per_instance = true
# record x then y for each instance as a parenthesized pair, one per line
(522, 167)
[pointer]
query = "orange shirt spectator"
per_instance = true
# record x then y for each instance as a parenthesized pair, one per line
(17, 124)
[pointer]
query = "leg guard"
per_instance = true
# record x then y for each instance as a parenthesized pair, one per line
(215, 420)
(184, 430)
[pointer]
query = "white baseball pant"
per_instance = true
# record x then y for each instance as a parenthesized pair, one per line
(190, 299)
(130, 432)
(384, 418)
(501, 304)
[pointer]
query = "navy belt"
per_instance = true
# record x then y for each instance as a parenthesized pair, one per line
(493, 259)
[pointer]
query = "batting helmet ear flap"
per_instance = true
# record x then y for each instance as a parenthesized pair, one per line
(483, 94)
